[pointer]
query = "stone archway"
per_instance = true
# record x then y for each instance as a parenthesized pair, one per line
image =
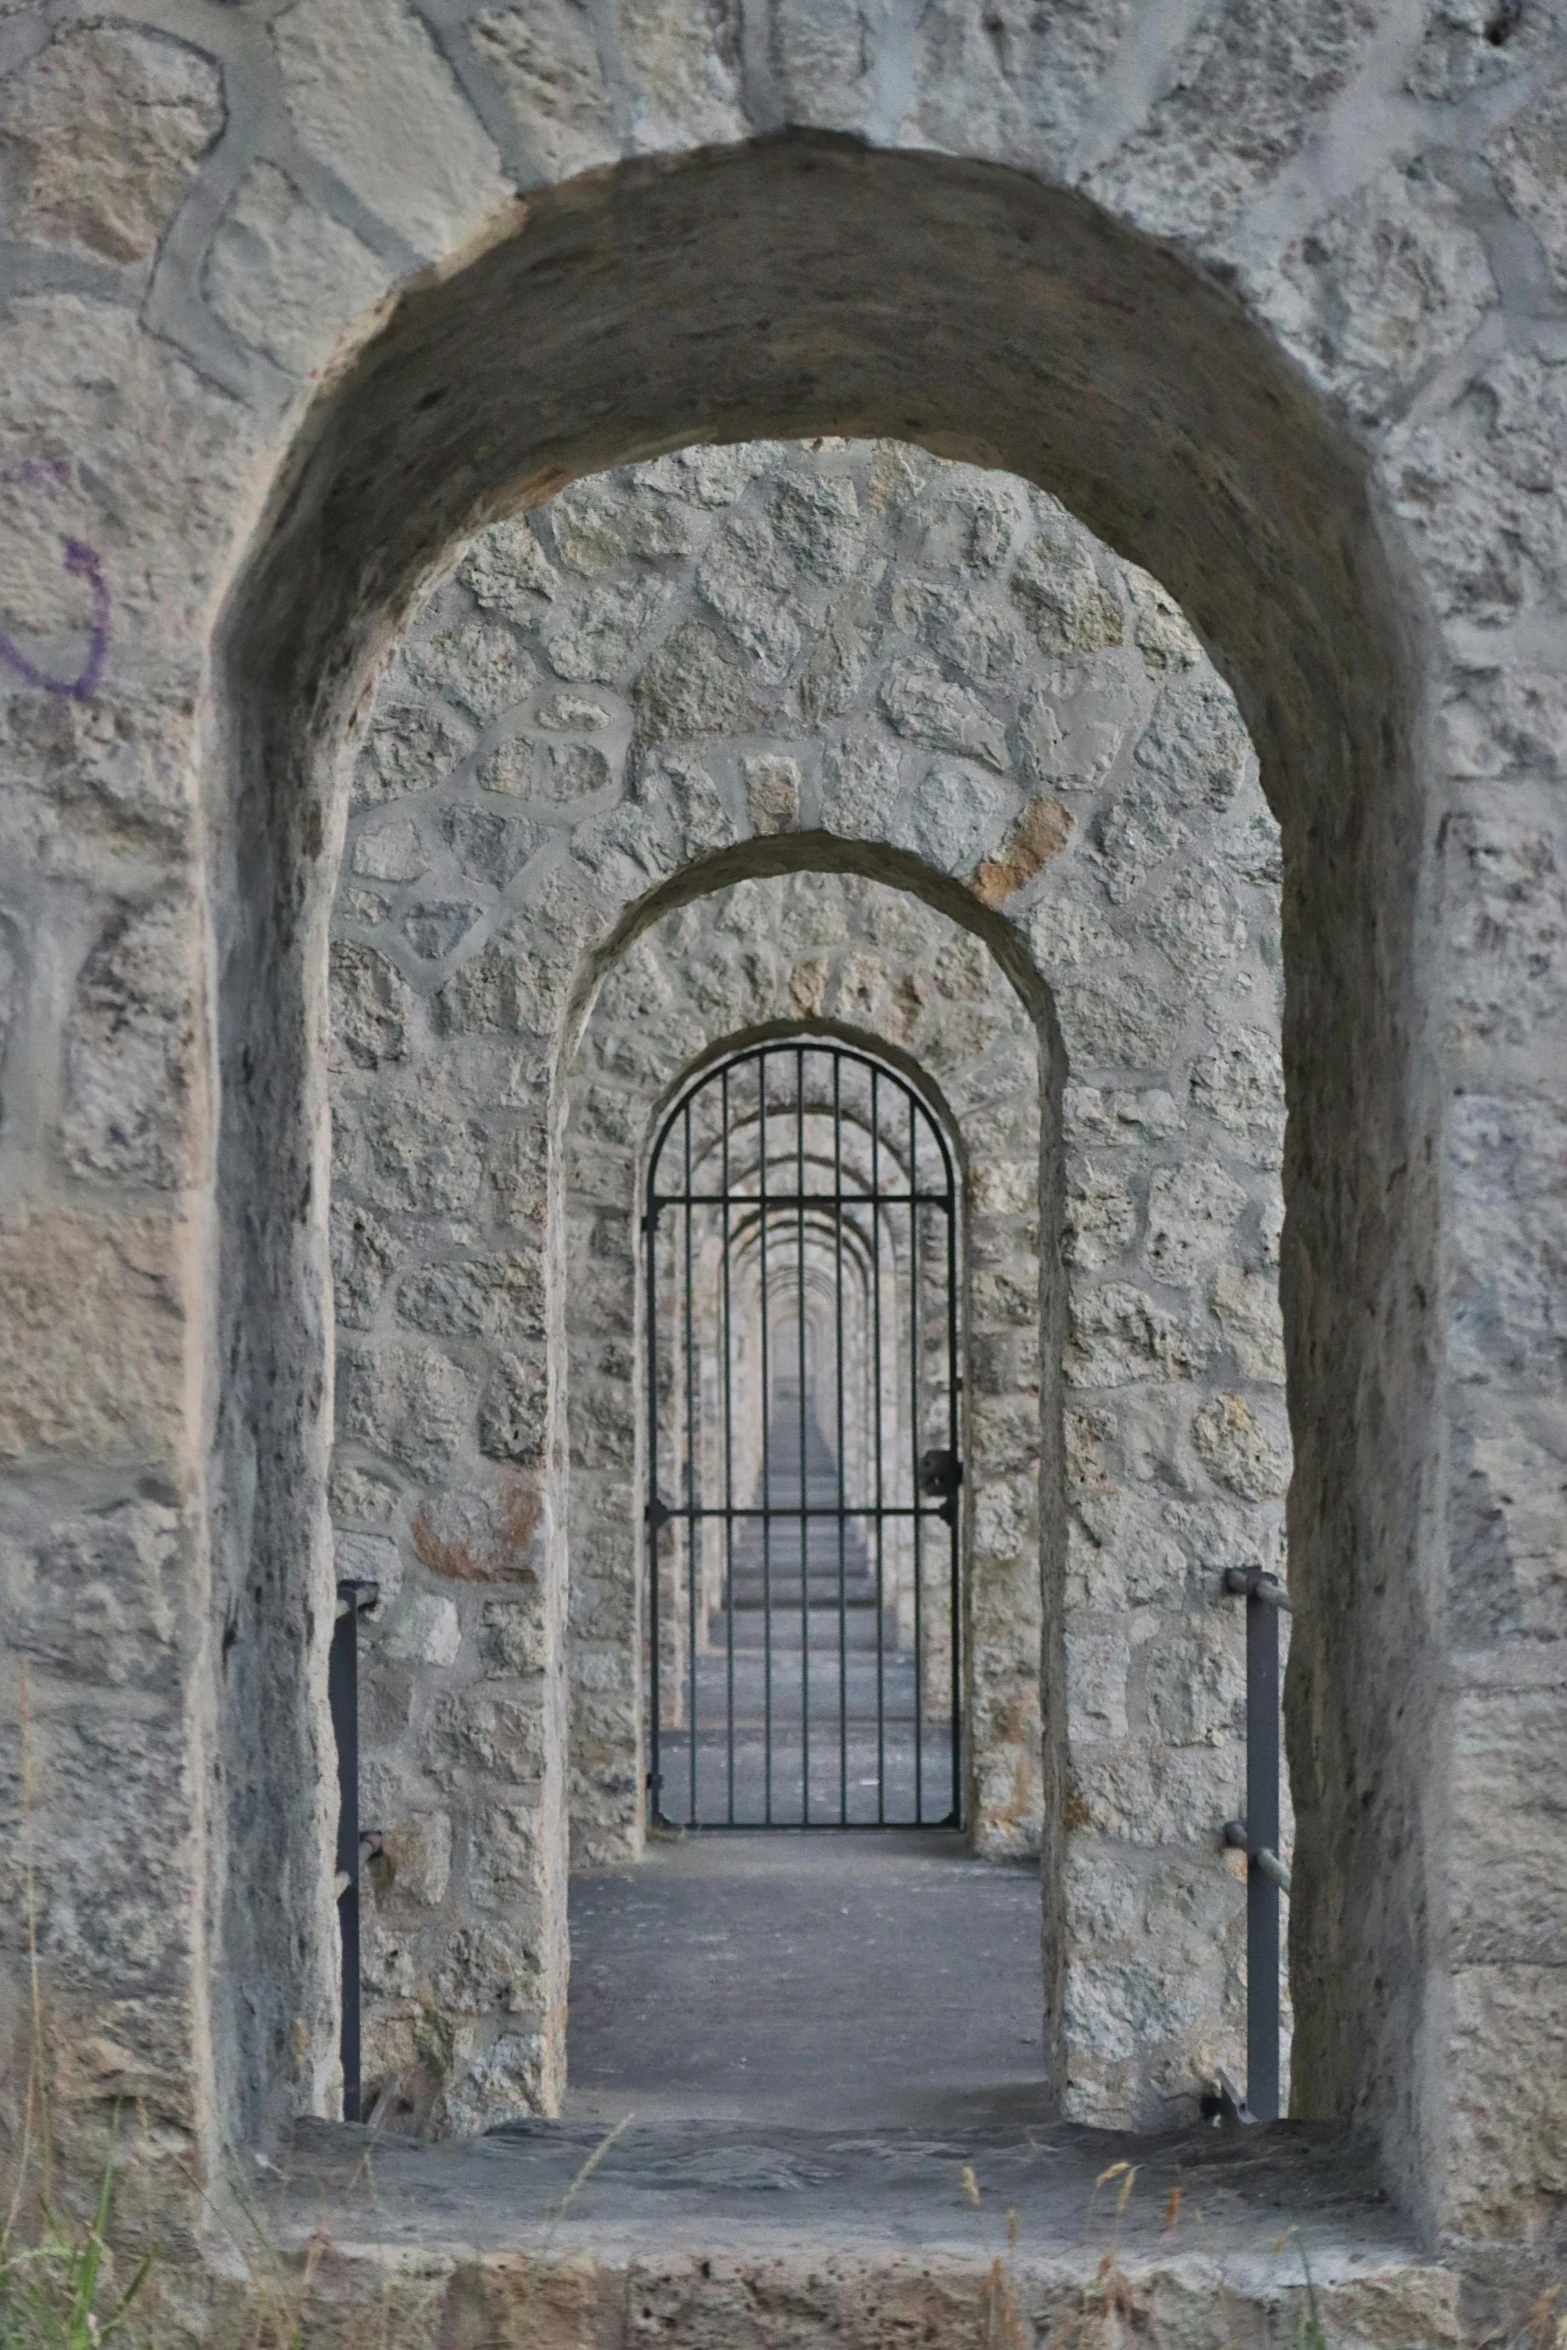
(1288, 583)
(583, 727)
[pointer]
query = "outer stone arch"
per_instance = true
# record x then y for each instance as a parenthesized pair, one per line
(970, 309)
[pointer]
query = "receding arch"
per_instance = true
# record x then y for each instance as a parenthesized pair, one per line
(809, 285)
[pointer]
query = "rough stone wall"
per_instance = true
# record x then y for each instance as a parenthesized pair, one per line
(802, 648)
(1274, 304)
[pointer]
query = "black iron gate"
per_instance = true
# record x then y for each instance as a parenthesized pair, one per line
(802, 1449)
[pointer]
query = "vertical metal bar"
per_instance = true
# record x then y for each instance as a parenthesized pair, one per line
(1262, 1827)
(955, 1498)
(729, 1470)
(843, 1572)
(691, 1493)
(914, 1454)
(767, 1488)
(343, 1702)
(805, 1523)
(655, 1778)
(881, 1593)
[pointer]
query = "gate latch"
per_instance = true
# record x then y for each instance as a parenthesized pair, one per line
(941, 1473)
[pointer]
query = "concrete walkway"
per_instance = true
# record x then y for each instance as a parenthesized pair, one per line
(820, 1980)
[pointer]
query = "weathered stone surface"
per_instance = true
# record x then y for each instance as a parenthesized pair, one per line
(368, 93)
(93, 1337)
(101, 134)
(545, 58)
(1240, 1450)
(372, 1005)
(132, 1083)
(272, 261)
(689, 687)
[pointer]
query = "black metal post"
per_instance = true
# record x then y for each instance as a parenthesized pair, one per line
(343, 1701)
(1260, 1836)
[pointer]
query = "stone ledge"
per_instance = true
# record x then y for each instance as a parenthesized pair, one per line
(704, 2233)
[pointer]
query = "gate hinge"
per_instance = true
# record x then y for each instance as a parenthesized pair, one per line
(657, 1514)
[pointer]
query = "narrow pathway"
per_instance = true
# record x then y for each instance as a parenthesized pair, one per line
(817, 1980)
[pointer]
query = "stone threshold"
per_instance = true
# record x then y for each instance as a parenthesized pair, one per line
(726, 2236)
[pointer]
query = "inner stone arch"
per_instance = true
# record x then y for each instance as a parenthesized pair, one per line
(598, 715)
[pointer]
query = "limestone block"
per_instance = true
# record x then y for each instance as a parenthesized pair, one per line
(371, 97)
(93, 1337)
(744, 577)
(476, 663)
(1128, 1022)
(423, 1155)
(363, 1255)
(101, 133)
(592, 635)
(545, 59)
(503, 1737)
(357, 1496)
(689, 687)
(1097, 1664)
(1243, 1450)
(513, 1411)
(131, 1051)
(505, 570)
(391, 850)
(1247, 1309)
(425, 1631)
(838, 661)
(1509, 1178)
(1192, 1210)
(926, 707)
(950, 815)
(1508, 1899)
(278, 270)
(1507, 2066)
(416, 1860)
(98, 1600)
(512, 1640)
(1016, 86)
(409, 1403)
(1131, 836)
(1241, 1083)
(1160, 629)
(487, 847)
(1238, 102)
(1119, 1555)
(1194, 1683)
(1119, 1335)
(435, 931)
(1058, 591)
(409, 747)
(487, 1530)
(475, 1297)
(507, 2083)
(372, 1006)
(1392, 282)
(1199, 925)
(1143, 1791)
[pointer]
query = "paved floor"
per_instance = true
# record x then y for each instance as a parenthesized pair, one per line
(831, 1980)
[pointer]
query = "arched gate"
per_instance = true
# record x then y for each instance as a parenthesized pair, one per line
(803, 1461)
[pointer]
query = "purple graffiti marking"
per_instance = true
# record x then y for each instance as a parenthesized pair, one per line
(79, 561)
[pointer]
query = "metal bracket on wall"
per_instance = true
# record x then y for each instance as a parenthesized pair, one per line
(1257, 1835)
(343, 1699)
